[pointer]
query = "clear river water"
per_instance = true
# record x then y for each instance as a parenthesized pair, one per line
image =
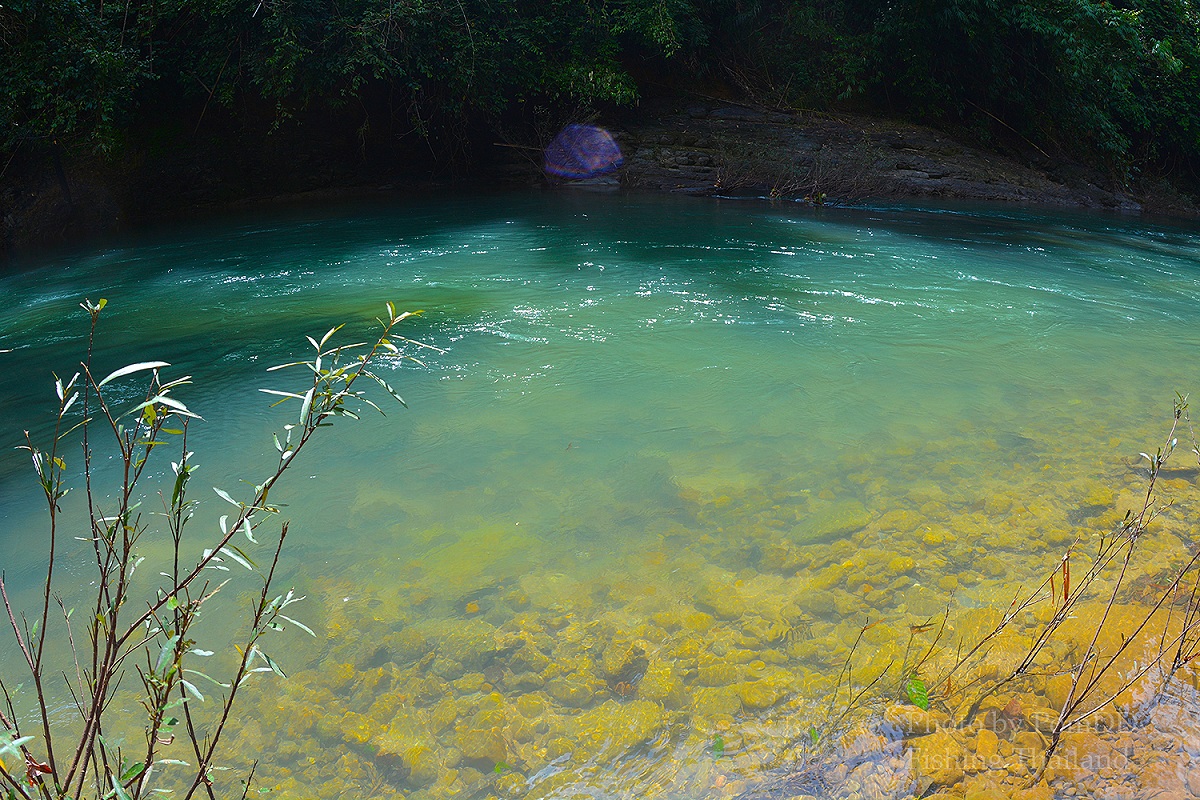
(676, 463)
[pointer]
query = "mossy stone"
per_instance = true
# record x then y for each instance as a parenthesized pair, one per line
(760, 694)
(482, 739)
(612, 729)
(414, 757)
(711, 701)
(660, 682)
(831, 522)
(939, 758)
(717, 673)
(531, 706)
(571, 691)
(471, 643)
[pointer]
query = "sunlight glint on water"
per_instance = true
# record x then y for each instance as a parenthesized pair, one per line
(674, 451)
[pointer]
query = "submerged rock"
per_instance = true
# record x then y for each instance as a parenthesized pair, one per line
(938, 757)
(913, 721)
(831, 522)
(612, 729)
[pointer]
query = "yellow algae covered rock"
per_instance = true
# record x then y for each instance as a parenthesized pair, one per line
(818, 602)
(831, 521)
(611, 729)
(901, 519)
(716, 701)
(698, 621)
(407, 645)
(469, 643)
(531, 706)
(923, 601)
(442, 715)
(660, 682)
(510, 784)
(987, 744)
(1164, 779)
(1040, 792)
(571, 690)
(938, 757)
(761, 694)
(416, 757)
(1083, 753)
(1099, 495)
(482, 737)
(914, 721)
(717, 672)
(983, 790)
(527, 658)
(847, 605)
(901, 564)
(784, 557)
(355, 728)
(1028, 744)
(722, 600)
(621, 656)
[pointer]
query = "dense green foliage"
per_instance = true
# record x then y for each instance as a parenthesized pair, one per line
(1113, 83)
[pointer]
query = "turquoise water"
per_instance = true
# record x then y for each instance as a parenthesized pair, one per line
(670, 455)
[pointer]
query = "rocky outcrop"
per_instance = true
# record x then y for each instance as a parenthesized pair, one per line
(722, 148)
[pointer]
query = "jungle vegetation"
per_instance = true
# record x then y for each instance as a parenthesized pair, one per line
(1112, 84)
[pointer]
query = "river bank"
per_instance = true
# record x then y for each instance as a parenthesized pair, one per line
(703, 147)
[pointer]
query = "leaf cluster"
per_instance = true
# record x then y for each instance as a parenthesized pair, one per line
(127, 631)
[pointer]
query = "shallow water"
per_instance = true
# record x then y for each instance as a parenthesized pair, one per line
(672, 456)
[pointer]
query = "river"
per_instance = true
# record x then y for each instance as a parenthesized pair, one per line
(671, 459)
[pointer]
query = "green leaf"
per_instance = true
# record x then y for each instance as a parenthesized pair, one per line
(133, 771)
(299, 625)
(224, 495)
(386, 386)
(118, 791)
(166, 655)
(132, 368)
(718, 746)
(239, 555)
(271, 663)
(13, 747)
(208, 678)
(306, 406)
(917, 693)
(813, 734)
(331, 332)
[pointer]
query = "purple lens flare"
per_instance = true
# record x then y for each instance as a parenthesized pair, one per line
(582, 151)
